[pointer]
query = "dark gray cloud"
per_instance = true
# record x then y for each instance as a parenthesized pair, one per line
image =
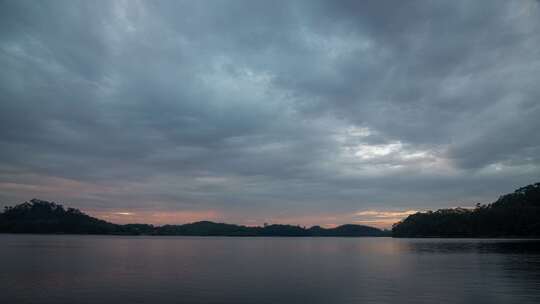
(268, 109)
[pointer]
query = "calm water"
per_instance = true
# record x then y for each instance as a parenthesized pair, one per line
(112, 269)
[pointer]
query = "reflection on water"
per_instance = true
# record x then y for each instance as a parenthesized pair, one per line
(112, 269)
(448, 246)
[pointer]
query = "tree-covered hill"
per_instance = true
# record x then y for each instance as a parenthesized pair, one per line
(512, 215)
(39, 216)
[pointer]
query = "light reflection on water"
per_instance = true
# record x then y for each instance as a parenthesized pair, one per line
(113, 269)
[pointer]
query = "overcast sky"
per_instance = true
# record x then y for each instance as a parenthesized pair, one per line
(301, 112)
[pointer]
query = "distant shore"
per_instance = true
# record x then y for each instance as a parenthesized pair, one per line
(513, 216)
(43, 217)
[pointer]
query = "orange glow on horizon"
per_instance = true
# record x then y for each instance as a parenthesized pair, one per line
(155, 218)
(374, 218)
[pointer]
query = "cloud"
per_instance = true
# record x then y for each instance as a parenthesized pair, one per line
(381, 218)
(155, 217)
(252, 109)
(386, 214)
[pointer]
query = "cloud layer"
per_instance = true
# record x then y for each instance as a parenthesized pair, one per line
(256, 111)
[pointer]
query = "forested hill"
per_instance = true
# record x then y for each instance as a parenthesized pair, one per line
(512, 215)
(39, 216)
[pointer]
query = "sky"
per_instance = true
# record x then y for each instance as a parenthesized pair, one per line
(300, 112)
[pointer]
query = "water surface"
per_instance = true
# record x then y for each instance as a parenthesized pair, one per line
(118, 269)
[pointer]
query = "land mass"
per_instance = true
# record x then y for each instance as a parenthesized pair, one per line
(38, 216)
(515, 214)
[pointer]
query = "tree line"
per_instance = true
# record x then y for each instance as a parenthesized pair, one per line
(515, 214)
(38, 216)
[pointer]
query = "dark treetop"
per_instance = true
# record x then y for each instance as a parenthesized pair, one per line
(512, 215)
(39, 216)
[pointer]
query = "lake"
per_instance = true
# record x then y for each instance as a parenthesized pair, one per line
(126, 269)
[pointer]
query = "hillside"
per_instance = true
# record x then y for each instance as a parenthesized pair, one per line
(513, 215)
(39, 216)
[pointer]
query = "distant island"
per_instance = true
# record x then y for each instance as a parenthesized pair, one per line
(512, 215)
(38, 216)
